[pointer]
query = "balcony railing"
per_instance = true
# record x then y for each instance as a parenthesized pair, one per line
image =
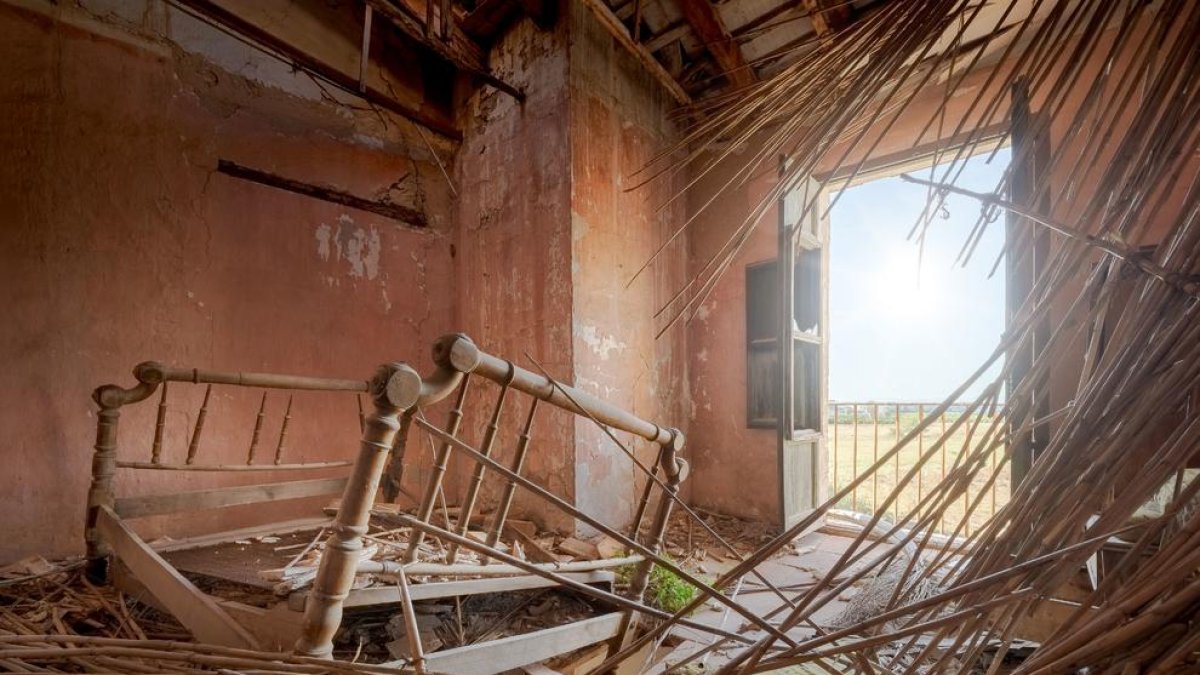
(859, 433)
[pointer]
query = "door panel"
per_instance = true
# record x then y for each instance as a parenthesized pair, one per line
(802, 377)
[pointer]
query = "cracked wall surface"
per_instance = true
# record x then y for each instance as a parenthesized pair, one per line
(123, 244)
(548, 239)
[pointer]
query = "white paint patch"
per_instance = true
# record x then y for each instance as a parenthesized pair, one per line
(369, 141)
(357, 246)
(702, 355)
(362, 252)
(601, 345)
(324, 234)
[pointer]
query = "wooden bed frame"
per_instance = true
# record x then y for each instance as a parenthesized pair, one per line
(308, 621)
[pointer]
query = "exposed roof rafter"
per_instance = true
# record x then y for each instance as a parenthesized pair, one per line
(710, 28)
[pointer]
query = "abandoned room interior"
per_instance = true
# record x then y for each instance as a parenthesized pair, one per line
(600, 336)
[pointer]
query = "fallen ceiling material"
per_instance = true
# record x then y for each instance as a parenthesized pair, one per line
(1123, 170)
(1129, 430)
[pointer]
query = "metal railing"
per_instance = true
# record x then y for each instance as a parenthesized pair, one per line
(861, 432)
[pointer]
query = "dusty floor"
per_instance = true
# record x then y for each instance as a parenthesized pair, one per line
(807, 559)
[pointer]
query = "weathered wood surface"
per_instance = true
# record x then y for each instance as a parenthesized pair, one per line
(152, 505)
(195, 610)
(497, 656)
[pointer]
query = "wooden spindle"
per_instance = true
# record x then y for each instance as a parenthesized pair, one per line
(194, 445)
(920, 452)
(395, 388)
(510, 487)
(433, 488)
(258, 422)
(160, 422)
(287, 417)
(489, 439)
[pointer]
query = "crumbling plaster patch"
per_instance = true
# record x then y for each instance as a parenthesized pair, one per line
(358, 247)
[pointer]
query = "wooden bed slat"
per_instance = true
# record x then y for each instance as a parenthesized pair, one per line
(497, 656)
(507, 653)
(196, 611)
(152, 505)
(383, 595)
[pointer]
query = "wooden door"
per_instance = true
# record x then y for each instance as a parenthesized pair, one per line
(803, 278)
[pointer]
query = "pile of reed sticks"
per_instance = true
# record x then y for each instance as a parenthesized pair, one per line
(55, 621)
(1109, 210)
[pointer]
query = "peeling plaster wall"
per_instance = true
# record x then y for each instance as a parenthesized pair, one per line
(513, 255)
(618, 124)
(122, 244)
(548, 239)
(736, 469)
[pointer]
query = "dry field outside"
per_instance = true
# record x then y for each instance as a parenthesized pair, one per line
(853, 448)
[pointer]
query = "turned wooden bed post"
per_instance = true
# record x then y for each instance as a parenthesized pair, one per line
(395, 388)
(675, 469)
(110, 398)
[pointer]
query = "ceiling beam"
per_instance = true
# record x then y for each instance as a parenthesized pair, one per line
(828, 16)
(710, 28)
(667, 36)
(763, 18)
(619, 32)
(456, 48)
(427, 115)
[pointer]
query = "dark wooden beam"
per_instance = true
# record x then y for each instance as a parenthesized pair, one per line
(490, 18)
(456, 48)
(396, 212)
(763, 18)
(666, 36)
(621, 34)
(828, 16)
(710, 28)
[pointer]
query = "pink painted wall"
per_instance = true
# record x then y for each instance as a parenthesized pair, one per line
(548, 239)
(513, 265)
(121, 244)
(736, 467)
(618, 124)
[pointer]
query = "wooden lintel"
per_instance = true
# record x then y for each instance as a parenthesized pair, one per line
(198, 612)
(398, 212)
(711, 30)
(617, 29)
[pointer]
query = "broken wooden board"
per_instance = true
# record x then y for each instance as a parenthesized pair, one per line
(198, 612)
(495, 656)
(382, 595)
(579, 549)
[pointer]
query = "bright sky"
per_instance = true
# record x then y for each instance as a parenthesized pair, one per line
(896, 335)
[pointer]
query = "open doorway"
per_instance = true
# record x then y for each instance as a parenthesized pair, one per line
(909, 321)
